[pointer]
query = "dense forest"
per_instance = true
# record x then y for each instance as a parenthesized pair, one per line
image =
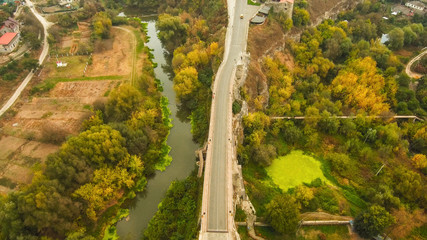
(375, 167)
(78, 191)
(193, 32)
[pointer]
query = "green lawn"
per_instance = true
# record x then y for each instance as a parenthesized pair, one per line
(253, 2)
(294, 169)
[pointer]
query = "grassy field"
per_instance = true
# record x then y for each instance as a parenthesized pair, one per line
(75, 67)
(294, 169)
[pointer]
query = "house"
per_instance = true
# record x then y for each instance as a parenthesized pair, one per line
(416, 5)
(8, 42)
(10, 25)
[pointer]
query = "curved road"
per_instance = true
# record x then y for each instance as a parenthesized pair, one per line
(42, 57)
(408, 67)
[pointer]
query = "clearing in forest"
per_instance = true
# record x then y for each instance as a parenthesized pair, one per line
(294, 169)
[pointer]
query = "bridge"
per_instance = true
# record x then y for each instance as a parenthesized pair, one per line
(217, 219)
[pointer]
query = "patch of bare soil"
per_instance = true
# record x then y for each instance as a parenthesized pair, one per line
(65, 107)
(286, 58)
(263, 40)
(311, 216)
(66, 42)
(62, 109)
(17, 156)
(323, 9)
(112, 56)
(6, 90)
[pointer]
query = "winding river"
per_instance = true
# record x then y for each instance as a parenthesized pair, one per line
(183, 154)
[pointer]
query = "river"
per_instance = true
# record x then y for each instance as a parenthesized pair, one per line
(183, 154)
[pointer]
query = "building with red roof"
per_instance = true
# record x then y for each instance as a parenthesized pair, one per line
(8, 42)
(10, 25)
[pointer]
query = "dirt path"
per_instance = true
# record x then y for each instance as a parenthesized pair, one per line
(408, 67)
(133, 73)
(307, 216)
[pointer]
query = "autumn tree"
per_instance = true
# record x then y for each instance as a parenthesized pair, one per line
(373, 221)
(186, 83)
(122, 102)
(361, 87)
(303, 195)
(300, 17)
(283, 213)
(101, 23)
(419, 161)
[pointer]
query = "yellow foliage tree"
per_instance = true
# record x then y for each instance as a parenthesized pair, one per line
(419, 161)
(361, 87)
(186, 82)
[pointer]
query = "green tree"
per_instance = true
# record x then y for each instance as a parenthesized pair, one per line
(303, 195)
(172, 32)
(300, 17)
(101, 23)
(409, 35)
(282, 212)
(397, 38)
(264, 154)
(30, 63)
(373, 221)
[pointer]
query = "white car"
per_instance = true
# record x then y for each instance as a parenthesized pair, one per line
(241, 16)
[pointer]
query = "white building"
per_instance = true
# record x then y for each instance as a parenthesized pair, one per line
(416, 5)
(8, 42)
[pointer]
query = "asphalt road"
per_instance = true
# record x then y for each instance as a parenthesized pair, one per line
(408, 67)
(42, 57)
(217, 212)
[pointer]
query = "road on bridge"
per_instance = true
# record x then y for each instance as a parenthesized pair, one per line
(218, 186)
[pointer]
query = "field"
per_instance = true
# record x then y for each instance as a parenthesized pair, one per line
(61, 98)
(294, 169)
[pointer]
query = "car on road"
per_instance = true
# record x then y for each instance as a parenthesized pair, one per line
(241, 16)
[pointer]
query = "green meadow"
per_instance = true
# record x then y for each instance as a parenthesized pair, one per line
(294, 169)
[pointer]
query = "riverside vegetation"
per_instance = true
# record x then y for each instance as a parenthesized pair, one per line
(192, 32)
(78, 191)
(375, 167)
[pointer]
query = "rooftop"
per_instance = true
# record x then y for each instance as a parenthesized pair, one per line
(417, 3)
(264, 10)
(258, 20)
(7, 38)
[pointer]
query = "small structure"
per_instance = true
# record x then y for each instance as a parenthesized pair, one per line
(10, 25)
(264, 10)
(258, 20)
(282, 5)
(65, 2)
(261, 15)
(384, 38)
(61, 64)
(8, 42)
(416, 5)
